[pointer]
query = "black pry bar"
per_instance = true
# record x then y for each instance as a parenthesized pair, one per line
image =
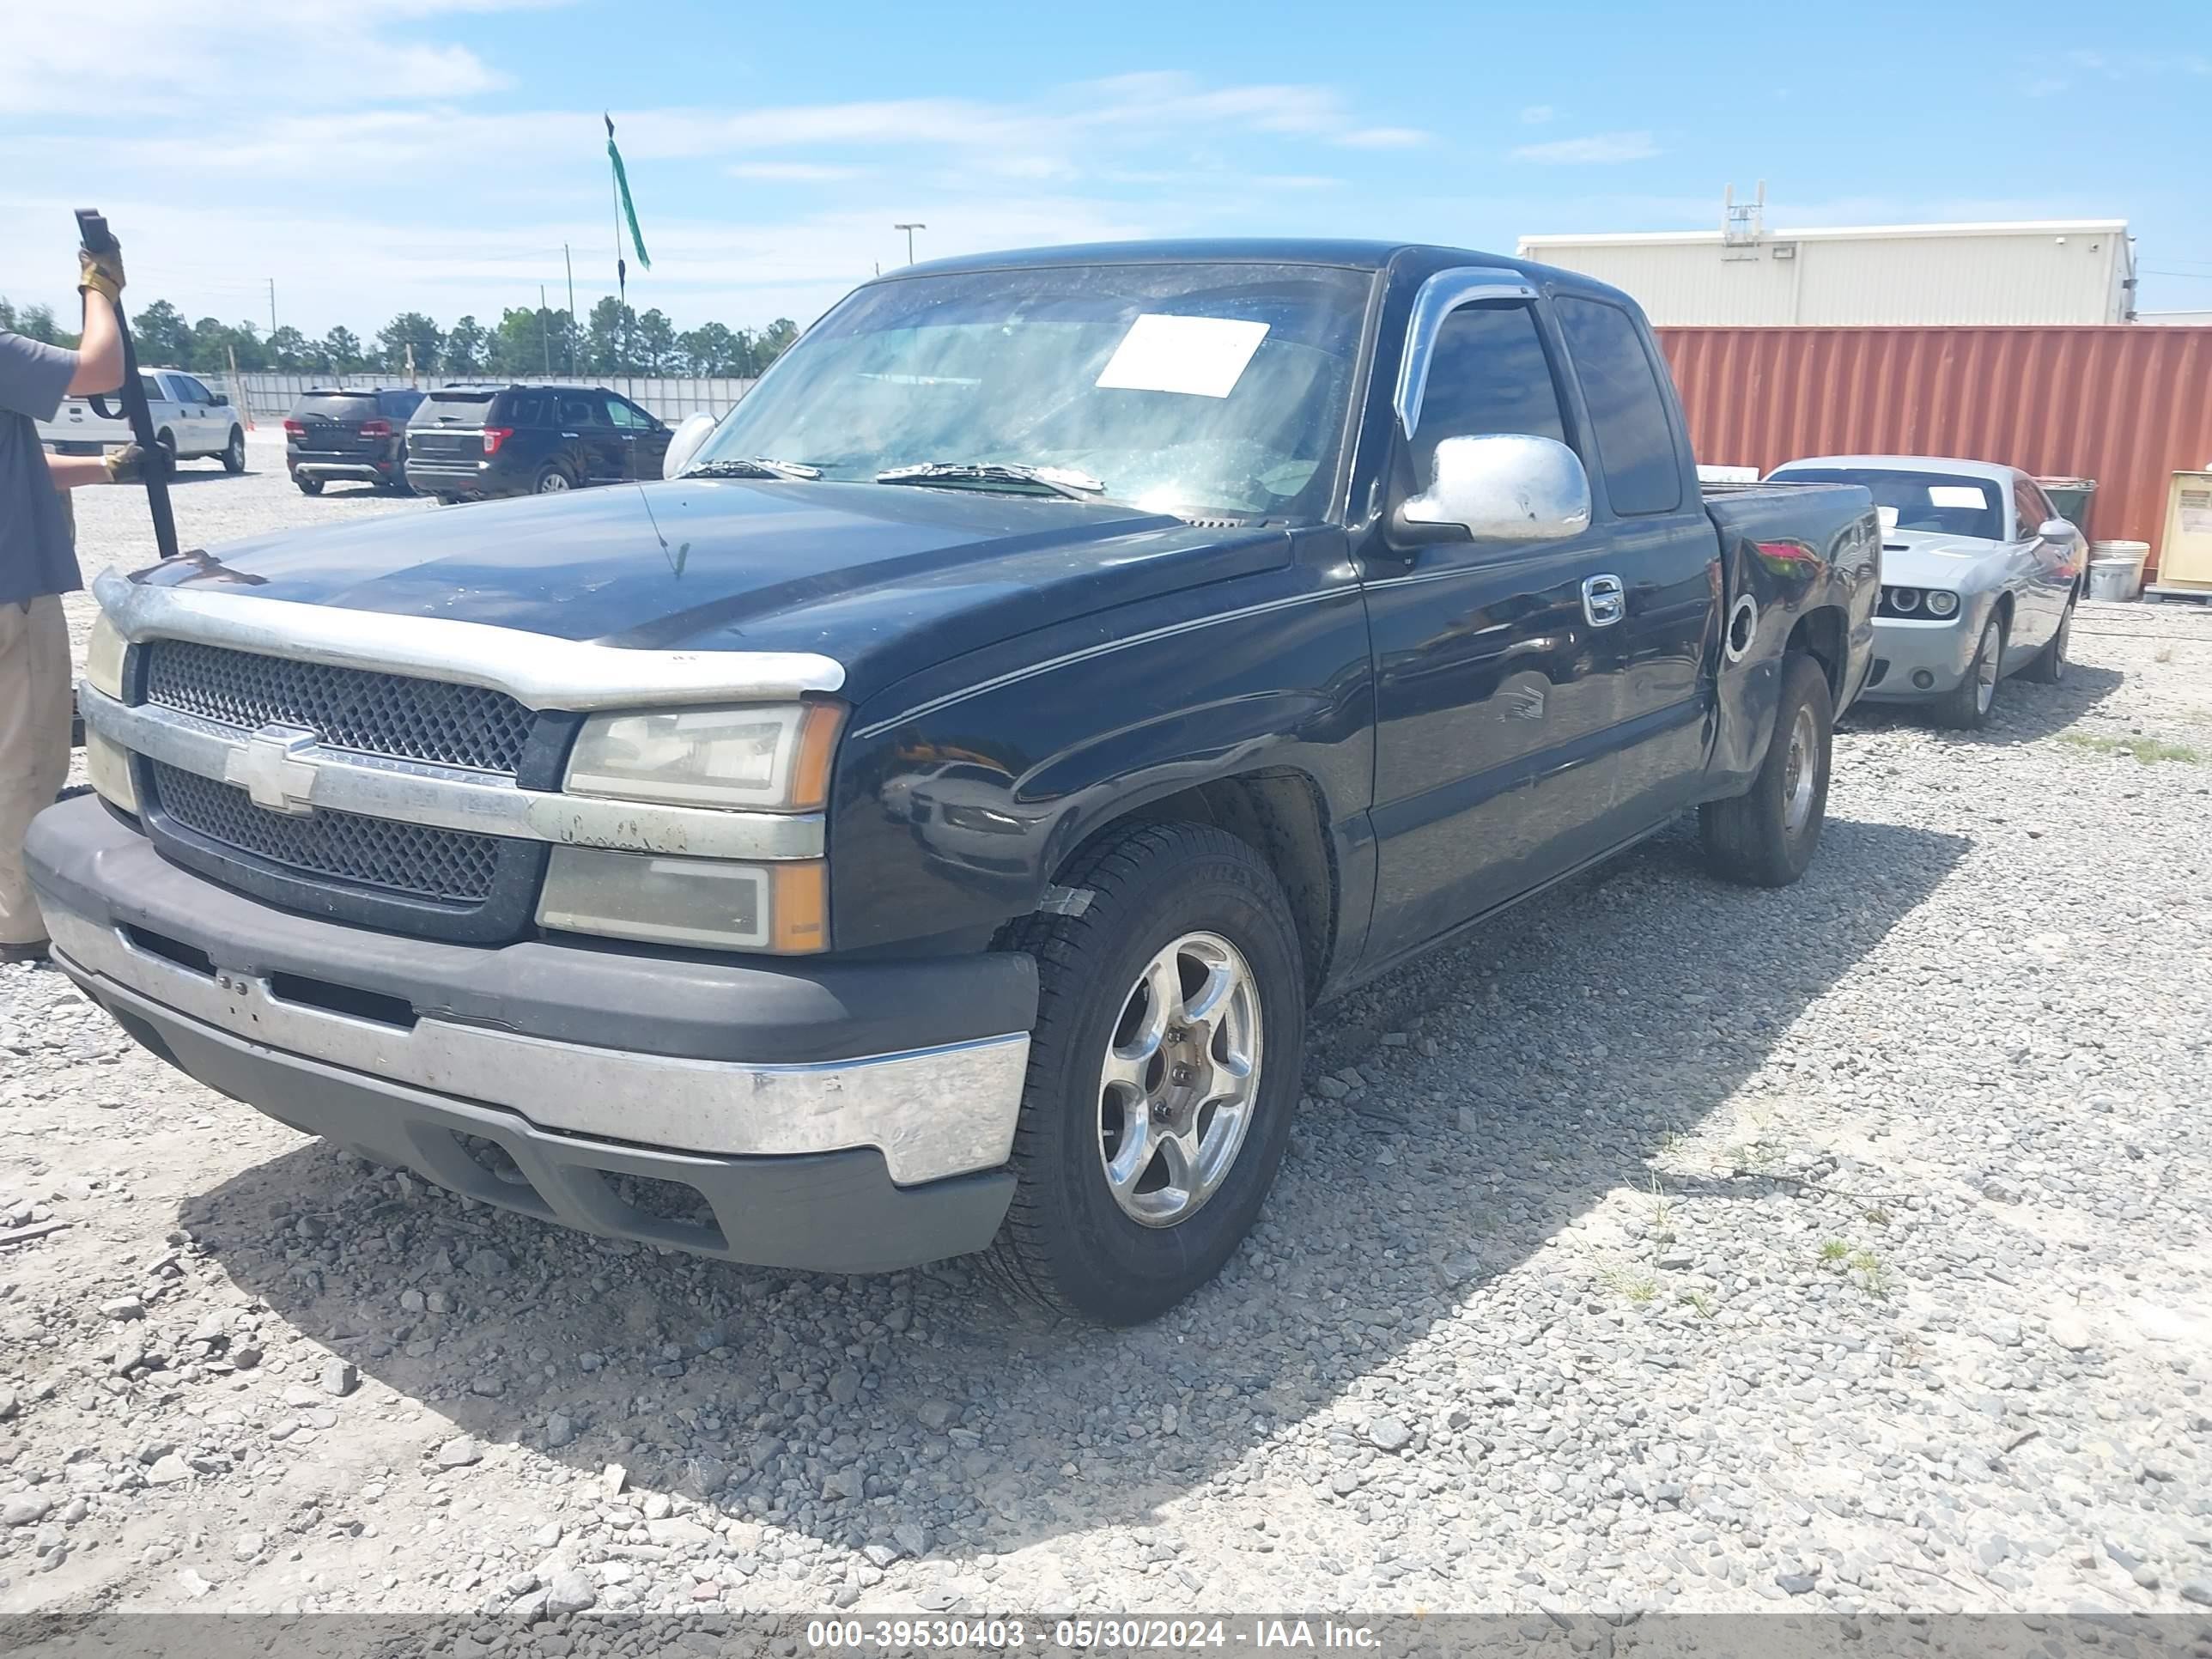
(92, 231)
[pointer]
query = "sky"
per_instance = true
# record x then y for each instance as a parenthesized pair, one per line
(437, 154)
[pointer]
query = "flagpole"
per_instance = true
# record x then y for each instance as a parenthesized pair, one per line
(613, 191)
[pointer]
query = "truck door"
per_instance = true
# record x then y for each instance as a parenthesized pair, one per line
(1666, 552)
(1497, 664)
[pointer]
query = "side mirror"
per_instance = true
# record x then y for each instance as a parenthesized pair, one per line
(219, 399)
(2057, 530)
(1505, 488)
(685, 444)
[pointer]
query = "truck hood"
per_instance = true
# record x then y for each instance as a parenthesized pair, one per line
(885, 579)
(1921, 558)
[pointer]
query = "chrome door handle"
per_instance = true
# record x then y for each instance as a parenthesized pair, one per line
(1605, 600)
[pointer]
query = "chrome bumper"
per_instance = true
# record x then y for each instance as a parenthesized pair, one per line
(931, 1112)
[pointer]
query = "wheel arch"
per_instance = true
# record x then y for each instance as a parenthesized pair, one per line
(1281, 813)
(1824, 634)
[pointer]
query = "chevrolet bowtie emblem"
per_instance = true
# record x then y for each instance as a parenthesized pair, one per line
(276, 768)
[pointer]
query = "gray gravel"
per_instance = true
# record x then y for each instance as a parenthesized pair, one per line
(1669, 1245)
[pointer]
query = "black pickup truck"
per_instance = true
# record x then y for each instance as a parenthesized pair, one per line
(921, 824)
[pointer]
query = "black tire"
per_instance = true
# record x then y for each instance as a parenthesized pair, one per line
(1067, 1242)
(2049, 668)
(449, 500)
(1756, 838)
(1966, 707)
(398, 484)
(233, 451)
(166, 441)
(552, 479)
(309, 486)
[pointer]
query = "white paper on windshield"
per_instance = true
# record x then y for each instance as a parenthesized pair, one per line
(1888, 517)
(1198, 356)
(1956, 495)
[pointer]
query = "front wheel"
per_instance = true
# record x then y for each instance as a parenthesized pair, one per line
(2049, 668)
(1966, 708)
(1163, 1072)
(1766, 836)
(234, 452)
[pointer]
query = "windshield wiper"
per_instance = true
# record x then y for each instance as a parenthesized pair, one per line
(1060, 480)
(758, 467)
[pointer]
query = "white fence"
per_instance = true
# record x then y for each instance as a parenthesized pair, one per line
(270, 395)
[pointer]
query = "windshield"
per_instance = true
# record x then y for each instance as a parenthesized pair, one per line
(1943, 503)
(1216, 391)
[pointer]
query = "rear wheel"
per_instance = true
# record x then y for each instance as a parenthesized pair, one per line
(1967, 707)
(1163, 1072)
(166, 441)
(309, 486)
(234, 452)
(2049, 665)
(1766, 837)
(553, 478)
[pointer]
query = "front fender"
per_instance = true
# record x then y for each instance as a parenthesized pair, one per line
(960, 794)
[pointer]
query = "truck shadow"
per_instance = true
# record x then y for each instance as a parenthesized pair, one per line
(2025, 711)
(1567, 1053)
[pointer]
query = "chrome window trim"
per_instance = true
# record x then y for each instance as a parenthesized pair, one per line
(536, 670)
(1443, 294)
(452, 797)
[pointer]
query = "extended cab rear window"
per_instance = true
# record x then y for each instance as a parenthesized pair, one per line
(1627, 410)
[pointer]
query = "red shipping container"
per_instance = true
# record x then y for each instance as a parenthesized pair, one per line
(2126, 405)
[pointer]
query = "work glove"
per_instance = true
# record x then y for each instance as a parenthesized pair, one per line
(100, 273)
(126, 464)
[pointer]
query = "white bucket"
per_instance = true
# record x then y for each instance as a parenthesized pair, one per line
(2116, 569)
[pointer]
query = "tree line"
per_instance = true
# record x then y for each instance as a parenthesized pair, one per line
(615, 339)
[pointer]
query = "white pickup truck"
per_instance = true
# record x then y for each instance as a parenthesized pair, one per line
(189, 421)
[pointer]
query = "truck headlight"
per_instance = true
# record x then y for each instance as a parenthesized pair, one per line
(772, 759)
(714, 903)
(103, 658)
(1941, 604)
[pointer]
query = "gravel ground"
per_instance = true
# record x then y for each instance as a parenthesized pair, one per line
(1670, 1246)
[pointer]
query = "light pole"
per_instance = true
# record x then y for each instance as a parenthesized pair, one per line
(909, 230)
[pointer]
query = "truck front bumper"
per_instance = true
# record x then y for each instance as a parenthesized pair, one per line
(849, 1118)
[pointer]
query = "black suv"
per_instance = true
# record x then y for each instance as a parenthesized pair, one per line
(334, 432)
(469, 443)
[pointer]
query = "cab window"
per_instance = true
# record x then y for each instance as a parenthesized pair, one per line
(1488, 373)
(1627, 407)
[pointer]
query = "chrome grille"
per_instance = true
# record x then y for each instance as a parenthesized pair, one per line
(449, 865)
(389, 714)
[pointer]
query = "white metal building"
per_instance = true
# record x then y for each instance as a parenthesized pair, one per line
(2053, 271)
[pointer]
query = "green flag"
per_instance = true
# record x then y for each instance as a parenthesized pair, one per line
(629, 207)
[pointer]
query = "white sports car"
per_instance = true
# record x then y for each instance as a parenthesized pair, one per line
(1980, 576)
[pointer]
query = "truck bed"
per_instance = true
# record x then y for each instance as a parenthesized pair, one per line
(1788, 550)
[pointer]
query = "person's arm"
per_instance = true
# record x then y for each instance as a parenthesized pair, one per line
(99, 352)
(125, 464)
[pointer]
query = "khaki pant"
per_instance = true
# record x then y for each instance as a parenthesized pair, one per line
(34, 746)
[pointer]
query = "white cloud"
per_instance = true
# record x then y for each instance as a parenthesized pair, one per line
(794, 173)
(147, 57)
(1599, 147)
(1535, 115)
(1382, 138)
